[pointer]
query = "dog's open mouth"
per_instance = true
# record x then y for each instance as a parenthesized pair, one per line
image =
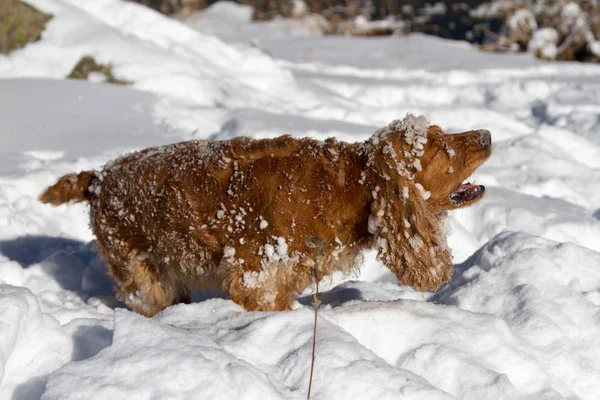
(467, 192)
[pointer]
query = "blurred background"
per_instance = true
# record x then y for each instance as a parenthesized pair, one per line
(549, 29)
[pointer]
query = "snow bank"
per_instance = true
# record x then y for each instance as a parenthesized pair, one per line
(548, 295)
(158, 54)
(504, 328)
(32, 344)
(184, 365)
(518, 321)
(73, 119)
(222, 352)
(221, 16)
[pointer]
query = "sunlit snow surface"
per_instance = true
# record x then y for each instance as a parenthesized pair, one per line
(520, 319)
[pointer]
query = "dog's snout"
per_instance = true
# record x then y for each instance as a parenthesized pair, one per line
(485, 138)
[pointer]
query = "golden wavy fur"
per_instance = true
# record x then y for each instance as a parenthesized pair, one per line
(261, 218)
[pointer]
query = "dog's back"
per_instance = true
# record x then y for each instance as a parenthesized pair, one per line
(168, 218)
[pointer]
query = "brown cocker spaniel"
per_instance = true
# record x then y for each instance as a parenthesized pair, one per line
(262, 219)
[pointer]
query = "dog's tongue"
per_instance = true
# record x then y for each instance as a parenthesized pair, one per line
(467, 192)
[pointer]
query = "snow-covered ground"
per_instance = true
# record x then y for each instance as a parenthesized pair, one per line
(520, 319)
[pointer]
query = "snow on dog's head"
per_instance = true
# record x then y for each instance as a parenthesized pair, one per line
(417, 171)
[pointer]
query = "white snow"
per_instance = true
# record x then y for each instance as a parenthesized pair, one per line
(299, 8)
(281, 247)
(595, 47)
(405, 192)
(425, 194)
(519, 320)
(228, 252)
(522, 18)
(545, 40)
(571, 12)
(373, 226)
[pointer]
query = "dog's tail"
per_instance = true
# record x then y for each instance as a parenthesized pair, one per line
(71, 187)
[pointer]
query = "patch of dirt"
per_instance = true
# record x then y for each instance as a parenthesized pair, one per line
(88, 69)
(20, 24)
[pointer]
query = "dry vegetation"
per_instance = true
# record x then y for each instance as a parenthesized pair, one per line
(19, 24)
(88, 66)
(563, 30)
(550, 29)
(348, 17)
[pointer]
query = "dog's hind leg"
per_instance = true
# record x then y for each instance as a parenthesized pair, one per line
(145, 289)
(263, 296)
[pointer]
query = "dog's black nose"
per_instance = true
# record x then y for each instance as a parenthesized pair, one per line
(485, 138)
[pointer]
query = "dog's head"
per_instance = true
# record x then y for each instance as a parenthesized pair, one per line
(418, 172)
(447, 161)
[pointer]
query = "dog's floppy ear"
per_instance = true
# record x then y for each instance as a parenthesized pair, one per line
(409, 238)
